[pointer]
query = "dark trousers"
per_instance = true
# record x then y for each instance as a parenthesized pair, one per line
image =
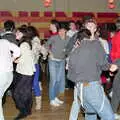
(115, 100)
(68, 83)
(22, 92)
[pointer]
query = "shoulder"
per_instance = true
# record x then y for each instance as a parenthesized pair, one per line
(24, 44)
(53, 37)
(36, 40)
(4, 41)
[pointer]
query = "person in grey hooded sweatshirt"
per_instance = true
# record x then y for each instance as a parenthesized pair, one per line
(85, 66)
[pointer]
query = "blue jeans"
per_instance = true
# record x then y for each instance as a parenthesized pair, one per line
(94, 101)
(36, 87)
(75, 109)
(57, 77)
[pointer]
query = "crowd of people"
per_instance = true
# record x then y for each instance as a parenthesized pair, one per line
(78, 55)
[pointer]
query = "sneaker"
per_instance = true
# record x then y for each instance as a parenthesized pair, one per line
(54, 103)
(59, 101)
(117, 116)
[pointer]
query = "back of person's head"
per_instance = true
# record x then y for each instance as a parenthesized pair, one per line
(9, 25)
(118, 24)
(32, 31)
(83, 33)
(24, 26)
(71, 21)
(62, 26)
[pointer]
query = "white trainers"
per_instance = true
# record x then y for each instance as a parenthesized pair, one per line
(54, 103)
(117, 116)
(58, 101)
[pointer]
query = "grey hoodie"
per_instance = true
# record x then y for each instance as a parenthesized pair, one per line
(87, 62)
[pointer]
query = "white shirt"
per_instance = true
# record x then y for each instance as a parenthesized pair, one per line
(25, 64)
(70, 33)
(6, 58)
(37, 48)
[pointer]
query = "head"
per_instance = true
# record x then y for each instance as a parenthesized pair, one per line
(83, 33)
(91, 25)
(62, 30)
(54, 26)
(72, 25)
(118, 23)
(24, 26)
(23, 36)
(21, 32)
(86, 18)
(9, 25)
(32, 31)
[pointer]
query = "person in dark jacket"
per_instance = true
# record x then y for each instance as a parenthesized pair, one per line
(8, 33)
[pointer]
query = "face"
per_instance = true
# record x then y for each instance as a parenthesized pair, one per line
(91, 26)
(53, 28)
(72, 26)
(62, 32)
(19, 35)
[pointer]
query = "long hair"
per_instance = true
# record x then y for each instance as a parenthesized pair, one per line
(32, 31)
(26, 37)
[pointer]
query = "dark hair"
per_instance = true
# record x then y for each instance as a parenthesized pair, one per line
(56, 23)
(26, 37)
(71, 21)
(78, 24)
(86, 18)
(32, 31)
(118, 24)
(83, 33)
(24, 26)
(9, 25)
(62, 26)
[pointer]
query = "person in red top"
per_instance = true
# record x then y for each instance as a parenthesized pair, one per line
(115, 55)
(115, 51)
(54, 26)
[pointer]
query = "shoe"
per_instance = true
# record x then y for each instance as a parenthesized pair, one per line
(54, 103)
(38, 102)
(58, 101)
(117, 116)
(67, 88)
(20, 116)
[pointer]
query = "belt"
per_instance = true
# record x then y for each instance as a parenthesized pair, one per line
(86, 84)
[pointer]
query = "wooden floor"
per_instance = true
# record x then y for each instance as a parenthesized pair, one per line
(47, 112)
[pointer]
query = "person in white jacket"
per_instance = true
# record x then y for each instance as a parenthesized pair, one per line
(8, 53)
(25, 69)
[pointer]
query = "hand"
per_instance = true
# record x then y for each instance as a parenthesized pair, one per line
(77, 44)
(16, 60)
(113, 67)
